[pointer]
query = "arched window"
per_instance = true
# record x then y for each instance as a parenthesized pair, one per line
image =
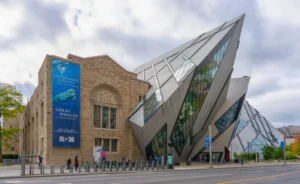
(106, 106)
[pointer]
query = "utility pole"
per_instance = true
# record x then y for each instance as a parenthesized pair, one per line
(210, 147)
(248, 150)
(284, 148)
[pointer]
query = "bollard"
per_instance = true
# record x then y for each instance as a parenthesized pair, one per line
(71, 168)
(43, 169)
(88, 167)
(137, 165)
(147, 166)
(103, 166)
(110, 166)
(124, 166)
(157, 165)
(52, 169)
(242, 162)
(31, 169)
(23, 156)
(117, 166)
(130, 166)
(62, 169)
(152, 165)
(163, 162)
(142, 165)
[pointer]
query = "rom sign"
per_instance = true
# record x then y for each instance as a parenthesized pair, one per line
(207, 142)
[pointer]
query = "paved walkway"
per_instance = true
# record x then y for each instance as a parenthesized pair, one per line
(204, 166)
(15, 171)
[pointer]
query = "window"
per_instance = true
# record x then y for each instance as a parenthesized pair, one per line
(98, 142)
(42, 144)
(109, 145)
(106, 144)
(113, 118)
(140, 98)
(97, 116)
(104, 117)
(42, 113)
(13, 148)
(114, 145)
(10, 126)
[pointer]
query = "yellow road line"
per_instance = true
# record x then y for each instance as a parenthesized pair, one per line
(262, 178)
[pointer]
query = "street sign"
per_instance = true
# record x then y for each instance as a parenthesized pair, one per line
(281, 144)
(207, 141)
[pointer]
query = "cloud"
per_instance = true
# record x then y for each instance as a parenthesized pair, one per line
(134, 32)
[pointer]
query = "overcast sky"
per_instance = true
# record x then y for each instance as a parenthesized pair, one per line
(134, 32)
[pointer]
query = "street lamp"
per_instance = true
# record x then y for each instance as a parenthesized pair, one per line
(248, 150)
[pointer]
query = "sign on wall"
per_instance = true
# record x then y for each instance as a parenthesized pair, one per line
(65, 104)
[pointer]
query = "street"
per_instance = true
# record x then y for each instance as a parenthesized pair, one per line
(274, 175)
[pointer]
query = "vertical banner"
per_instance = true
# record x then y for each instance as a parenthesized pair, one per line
(65, 104)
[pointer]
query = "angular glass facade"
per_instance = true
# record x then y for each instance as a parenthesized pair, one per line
(256, 145)
(158, 146)
(195, 97)
(241, 125)
(152, 104)
(230, 116)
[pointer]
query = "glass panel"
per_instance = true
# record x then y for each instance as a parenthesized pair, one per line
(113, 112)
(97, 117)
(229, 117)
(140, 76)
(163, 75)
(256, 145)
(97, 142)
(194, 100)
(106, 144)
(183, 70)
(152, 81)
(176, 63)
(159, 65)
(152, 104)
(242, 124)
(114, 145)
(104, 117)
(168, 88)
(148, 73)
(158, 146)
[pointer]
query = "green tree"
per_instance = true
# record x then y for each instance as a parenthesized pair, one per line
(268, 152)
(10, 105)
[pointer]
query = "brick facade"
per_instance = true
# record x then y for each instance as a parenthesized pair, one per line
(103, 83)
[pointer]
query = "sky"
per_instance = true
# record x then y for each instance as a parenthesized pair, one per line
(133, 32)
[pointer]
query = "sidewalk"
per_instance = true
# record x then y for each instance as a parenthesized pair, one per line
(205, 166)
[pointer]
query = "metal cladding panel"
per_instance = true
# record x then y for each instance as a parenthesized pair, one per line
(247, 135)
(220, 79)
(237, 89)
(209, 46)
(167, 113)
(223, 140)
(235, 146)
(138, 132)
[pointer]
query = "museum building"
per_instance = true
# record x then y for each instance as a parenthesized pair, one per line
(164, 107)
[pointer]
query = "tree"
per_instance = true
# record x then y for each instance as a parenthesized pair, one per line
(10, 105)
(268, 152)
(295, 146)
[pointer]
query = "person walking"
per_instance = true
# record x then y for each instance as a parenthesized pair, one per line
(40, 160)
(69, 162)
(76, 162)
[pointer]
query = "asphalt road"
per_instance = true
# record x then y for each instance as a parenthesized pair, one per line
(274, 175)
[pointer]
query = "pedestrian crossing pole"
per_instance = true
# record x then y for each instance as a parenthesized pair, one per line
(210, 147)
(284, 148)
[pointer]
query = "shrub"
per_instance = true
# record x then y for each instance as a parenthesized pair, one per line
(10, 156)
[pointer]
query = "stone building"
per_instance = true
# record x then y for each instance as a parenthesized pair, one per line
(13, 143)
(108, 93)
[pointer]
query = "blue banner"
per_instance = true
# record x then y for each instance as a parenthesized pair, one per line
(65, 104)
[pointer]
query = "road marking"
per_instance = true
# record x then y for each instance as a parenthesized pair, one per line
(170, 179)
(255, 172)
(262, 178)
(17, 181)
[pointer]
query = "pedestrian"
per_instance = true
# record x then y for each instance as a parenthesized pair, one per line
(40, 161)
(76, 162)
(69, 162)
(123, 159)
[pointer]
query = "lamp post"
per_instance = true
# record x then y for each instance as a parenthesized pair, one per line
(248, 150)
